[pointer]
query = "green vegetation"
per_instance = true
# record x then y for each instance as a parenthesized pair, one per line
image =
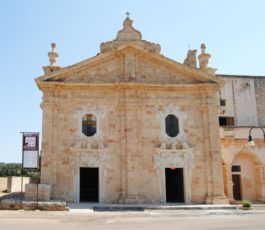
(14, 169)
(246, 203)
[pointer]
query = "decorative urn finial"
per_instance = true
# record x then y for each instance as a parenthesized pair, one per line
(204, 60)
(203, 57)
(53, 55)
(53, 61)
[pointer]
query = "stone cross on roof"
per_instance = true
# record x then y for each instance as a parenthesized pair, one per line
(128, 32)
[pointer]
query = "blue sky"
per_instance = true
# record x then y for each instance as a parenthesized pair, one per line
(233, 31)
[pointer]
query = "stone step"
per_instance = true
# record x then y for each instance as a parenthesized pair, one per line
(143, 207)
(117, 208)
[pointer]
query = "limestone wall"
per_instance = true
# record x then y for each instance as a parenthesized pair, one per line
(252, 163)
(14, 183)
(239, 93)
(40, 192)
(260, 98)
(129, 132)
(3, 184)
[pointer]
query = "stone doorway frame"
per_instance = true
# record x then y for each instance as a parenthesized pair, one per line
(96, 158)
(260, 175)
(177, 158)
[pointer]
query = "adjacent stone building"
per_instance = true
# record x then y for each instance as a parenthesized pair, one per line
(241, 108)
(132, 126)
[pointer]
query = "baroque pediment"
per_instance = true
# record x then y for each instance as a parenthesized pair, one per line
(129, 59)
(128, 63)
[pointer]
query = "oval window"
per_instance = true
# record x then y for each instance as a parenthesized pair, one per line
(172, 125)
(89, 125)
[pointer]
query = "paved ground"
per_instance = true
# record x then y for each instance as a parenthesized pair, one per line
(153, 219)
(82, 217)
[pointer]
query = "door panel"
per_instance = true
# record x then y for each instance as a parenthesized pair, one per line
(89, 185)
(236, 187)
(174, 185)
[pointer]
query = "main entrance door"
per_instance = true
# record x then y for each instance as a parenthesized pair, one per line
(236, 186)
(89, 185)
(174, 185)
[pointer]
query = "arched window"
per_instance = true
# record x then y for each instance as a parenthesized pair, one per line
(89, 125)
(172, 125)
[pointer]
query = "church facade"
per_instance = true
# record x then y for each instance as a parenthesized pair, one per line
(132, 126)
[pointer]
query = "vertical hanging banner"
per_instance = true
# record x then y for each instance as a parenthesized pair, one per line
(30, 151)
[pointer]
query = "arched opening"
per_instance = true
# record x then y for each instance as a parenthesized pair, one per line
(245, 177)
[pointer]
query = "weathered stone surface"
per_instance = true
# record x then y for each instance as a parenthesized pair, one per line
(14, 183)
(42, 192)
(3, 184)
(15, 204)
(260, 98)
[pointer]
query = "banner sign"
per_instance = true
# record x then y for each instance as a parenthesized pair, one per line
(30, 149)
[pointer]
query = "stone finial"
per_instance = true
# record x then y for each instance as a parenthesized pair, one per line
(53, 55)
(129, 35)
(53, 61)
(128, 32)
(204, 60)
(190, 60)
(203, 48)
(203, 57)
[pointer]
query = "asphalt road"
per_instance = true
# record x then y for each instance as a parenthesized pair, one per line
(166, 220)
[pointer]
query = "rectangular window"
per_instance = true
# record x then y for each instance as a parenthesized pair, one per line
(236, 168)
(226, 121)
(222, 102)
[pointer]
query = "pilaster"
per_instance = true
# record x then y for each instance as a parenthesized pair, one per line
(228, 183)
(213, 153)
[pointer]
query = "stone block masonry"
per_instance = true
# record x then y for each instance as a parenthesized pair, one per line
(42, 192)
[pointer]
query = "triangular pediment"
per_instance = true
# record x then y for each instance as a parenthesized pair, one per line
(128, 63)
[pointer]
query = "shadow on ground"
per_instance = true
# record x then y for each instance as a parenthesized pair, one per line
(13, 195)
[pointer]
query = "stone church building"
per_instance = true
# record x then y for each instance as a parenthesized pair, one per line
(130, 125)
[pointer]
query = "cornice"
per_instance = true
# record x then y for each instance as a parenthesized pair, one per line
(78, 68)
(176, 67)
(241, 142)
(199, 87)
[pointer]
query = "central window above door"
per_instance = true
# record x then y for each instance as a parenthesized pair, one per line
(89, 125)
(172, 125)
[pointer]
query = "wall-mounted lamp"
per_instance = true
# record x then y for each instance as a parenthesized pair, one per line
(251, 143)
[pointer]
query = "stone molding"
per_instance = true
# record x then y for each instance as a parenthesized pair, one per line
(174, 158)
(196, 87)
(241, 142)
(164, 138)
(89, 158)
(96, 141)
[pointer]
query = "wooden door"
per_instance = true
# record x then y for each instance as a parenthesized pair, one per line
(236, 186)
(89, 185)
(174, 185)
